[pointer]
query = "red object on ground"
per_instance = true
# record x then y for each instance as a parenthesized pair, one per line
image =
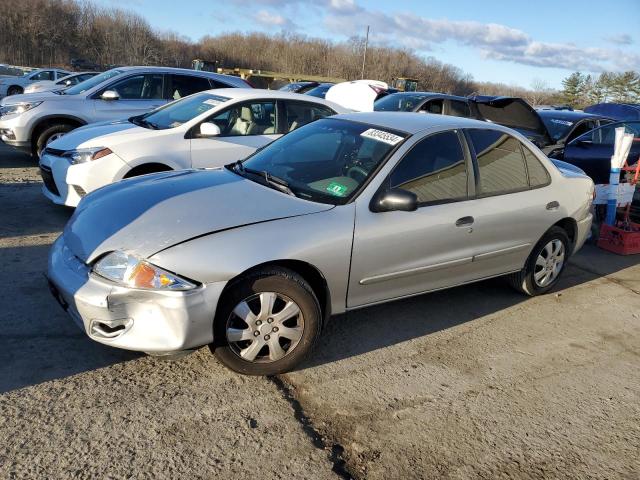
(617, 240)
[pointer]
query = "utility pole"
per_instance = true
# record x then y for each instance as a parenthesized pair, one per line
(364, 57)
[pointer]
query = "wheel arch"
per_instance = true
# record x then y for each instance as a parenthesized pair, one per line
(306, 270)
(144, 168)
(570, 226)
(45, 122)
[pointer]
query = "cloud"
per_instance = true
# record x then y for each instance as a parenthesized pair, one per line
(273, 20)
(620, 39)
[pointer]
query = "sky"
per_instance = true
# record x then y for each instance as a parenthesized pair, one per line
(513, 42)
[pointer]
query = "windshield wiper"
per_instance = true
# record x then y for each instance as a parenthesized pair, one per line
(276, 182)
(141, 122)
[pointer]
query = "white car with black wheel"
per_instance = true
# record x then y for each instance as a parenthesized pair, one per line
(206, 129)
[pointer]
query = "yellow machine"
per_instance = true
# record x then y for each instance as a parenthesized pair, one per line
(262, 78)
(405, 84)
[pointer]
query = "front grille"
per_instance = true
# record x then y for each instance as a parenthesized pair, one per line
(53, 151)
(47, 178)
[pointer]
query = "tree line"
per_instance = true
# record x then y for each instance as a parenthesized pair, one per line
(52, 32)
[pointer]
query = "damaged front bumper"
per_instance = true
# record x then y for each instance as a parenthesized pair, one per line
(150, 321)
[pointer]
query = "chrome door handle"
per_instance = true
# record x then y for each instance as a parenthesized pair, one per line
(464, 222)
(553, 205)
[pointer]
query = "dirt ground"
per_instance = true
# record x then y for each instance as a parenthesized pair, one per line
(474, 382)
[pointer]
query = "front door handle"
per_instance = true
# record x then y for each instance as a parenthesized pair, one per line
(464, 222)
(553, 205)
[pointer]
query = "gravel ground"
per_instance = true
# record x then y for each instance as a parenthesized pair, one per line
(474, 382)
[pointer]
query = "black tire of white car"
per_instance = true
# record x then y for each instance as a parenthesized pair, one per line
(49, 132)
(14, 90)
(524, 280)
(282, 282)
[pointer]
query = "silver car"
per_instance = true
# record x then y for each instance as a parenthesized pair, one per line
(345, 212)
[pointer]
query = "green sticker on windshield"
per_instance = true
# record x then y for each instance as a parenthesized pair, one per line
(337, 189)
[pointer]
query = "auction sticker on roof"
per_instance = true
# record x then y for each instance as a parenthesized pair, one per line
(382, 136)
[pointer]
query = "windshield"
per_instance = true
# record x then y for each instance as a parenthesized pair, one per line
(92, 82)
(557, 127)
(325, 161)
(398, 103)
(176, 113)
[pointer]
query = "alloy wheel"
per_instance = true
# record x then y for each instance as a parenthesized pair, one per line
(265, 327)
(549, 263)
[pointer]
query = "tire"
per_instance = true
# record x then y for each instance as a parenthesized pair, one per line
(14, 90)
(536, 279)
(254, 350)
(49, 134)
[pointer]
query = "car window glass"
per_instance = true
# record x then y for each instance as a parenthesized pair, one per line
(500, 162)
(432, 106)
(538, 175)
(458, 108)
(184, 85)
(299, 113)
(249, 118)
(45, 75)
(434, 169)
(139, 87)
(176, 113)
(398, 102)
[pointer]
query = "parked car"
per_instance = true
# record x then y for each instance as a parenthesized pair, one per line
(207, 129)
(564, 125)
(320, 90)
(342, 213)
(16, 85)
(298, 87)
(618, 111)
(83, 64)
(57, 85)
(357, 95)
(592, 151)
(30, 122)
(511, 112)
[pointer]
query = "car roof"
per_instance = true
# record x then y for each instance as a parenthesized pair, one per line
(567, 114)
(411, 122)
(429, 95)
(231, 79)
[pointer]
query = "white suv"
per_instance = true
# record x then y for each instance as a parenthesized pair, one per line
(30, 122)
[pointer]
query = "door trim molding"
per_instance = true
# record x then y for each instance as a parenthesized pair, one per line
(414, 271)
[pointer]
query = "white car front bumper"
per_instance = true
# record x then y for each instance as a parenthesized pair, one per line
(66, 183)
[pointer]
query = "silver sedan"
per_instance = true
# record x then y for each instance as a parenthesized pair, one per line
(346, 212)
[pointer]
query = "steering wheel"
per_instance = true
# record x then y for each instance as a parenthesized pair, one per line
(359, 174)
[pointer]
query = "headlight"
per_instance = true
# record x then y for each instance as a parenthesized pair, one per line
(134, 272)
(82, 155)
(17, 108)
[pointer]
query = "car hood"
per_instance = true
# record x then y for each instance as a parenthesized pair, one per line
(104, 134)
(151, 213)
(513, 112)
(30, 97)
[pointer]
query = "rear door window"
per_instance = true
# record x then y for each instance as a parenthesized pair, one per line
(301, 113)
(458, 108)
(501, 165)
(185, 85)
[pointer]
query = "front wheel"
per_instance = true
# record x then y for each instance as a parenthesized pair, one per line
(267, 323)
(49, 135)
(545, 264)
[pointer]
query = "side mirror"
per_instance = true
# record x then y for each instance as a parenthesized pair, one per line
(392, 200)
(110, 95)
(209, 129)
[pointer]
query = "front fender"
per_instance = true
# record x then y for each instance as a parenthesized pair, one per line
(322, 240)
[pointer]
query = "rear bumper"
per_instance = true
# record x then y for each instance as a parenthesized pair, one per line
(132, 319)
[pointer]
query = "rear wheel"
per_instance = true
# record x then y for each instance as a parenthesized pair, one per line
(14, 90)
(545, 264)
(266, 323)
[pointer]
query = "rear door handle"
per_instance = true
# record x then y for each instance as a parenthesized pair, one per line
(464, 222)
(553, 205)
